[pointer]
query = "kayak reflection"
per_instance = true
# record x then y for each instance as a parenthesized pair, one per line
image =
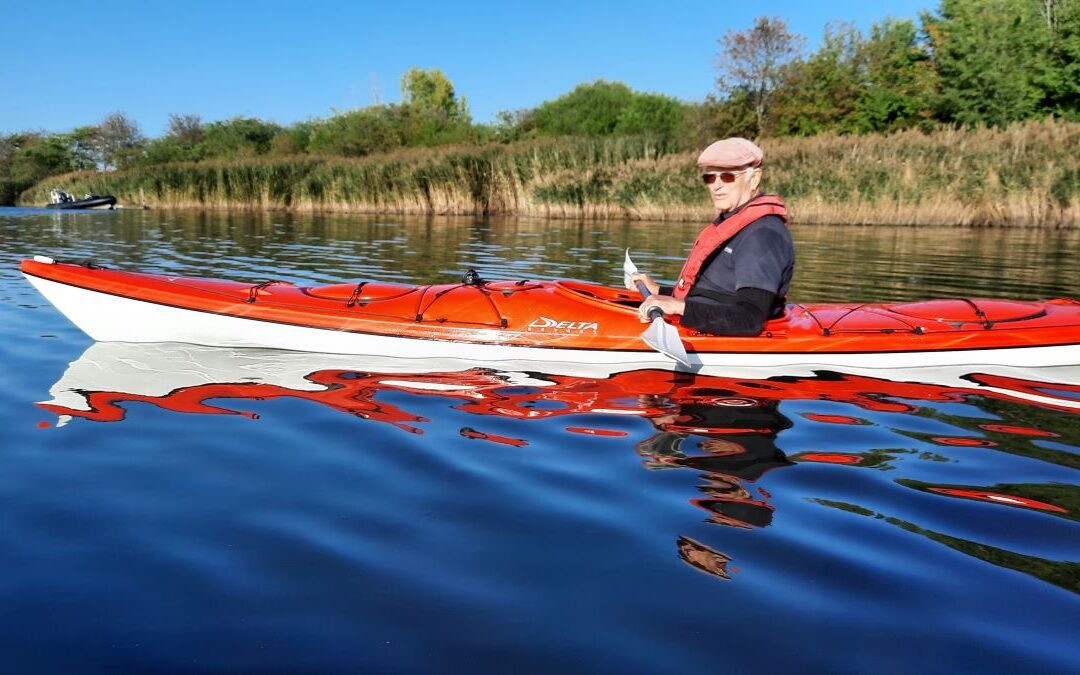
(182, 378)
(727, 427)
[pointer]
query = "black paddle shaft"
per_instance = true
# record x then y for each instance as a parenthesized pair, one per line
(654, 312)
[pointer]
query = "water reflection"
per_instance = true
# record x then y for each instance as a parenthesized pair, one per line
(849, 264)
(182, 377)
(379, 515)
(732, 440)
(1061, 500)
(730, 429)
(1064, 574)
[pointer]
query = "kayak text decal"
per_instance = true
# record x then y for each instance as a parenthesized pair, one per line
(544, 324)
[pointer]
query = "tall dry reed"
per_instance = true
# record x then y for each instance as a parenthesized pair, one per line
(1024, 175)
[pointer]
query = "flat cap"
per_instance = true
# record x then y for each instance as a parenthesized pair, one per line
(731, 153)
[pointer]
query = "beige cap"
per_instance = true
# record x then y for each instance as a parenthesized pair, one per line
(731, 153)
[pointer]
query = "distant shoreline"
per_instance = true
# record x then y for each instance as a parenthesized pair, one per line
(1026, 175)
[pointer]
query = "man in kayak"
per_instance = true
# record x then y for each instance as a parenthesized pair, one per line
(738, 272)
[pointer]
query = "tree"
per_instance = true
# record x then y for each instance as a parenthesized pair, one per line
(82, 145)
(27, 158)
(188, 129)
(711, 119)
(652, 114)
(431, 91)
(118, 138)
(606, 108)
(900, 79)
(820, 93)
(9, 187)
(512, 125)
(1060, 84)
(182, 142)
(238, 137)
(857, 84)
(358, 132)
(752, 62)
(989, 55)
(293, 140)
(591, 109)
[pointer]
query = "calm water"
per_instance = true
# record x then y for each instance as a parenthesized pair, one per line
(180, 508)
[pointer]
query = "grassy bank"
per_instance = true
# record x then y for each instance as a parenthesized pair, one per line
(1024, 175)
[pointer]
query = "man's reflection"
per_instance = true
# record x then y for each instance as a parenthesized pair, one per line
(732, 440)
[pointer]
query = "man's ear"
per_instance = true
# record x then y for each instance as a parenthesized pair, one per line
(755, 180)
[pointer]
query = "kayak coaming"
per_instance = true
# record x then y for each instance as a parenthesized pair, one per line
(511, 320)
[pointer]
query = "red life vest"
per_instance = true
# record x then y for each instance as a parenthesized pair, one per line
(714, 235)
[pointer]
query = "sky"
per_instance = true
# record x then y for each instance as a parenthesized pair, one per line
(66, 64)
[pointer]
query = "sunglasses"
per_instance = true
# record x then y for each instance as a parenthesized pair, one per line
(709, 177)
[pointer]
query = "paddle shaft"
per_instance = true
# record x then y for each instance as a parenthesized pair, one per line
(655, 312)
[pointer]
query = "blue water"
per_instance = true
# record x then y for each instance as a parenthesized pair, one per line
(177, 508)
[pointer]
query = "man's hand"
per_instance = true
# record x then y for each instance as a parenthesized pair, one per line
(653, 287)
(666, 303)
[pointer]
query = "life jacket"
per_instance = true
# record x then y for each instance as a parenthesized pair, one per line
(716, 234)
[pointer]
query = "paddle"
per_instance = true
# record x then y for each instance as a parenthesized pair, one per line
(660, 335)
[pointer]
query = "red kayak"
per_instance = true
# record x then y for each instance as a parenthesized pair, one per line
(541, 321)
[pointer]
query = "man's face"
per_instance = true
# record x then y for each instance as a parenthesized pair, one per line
(727, 196)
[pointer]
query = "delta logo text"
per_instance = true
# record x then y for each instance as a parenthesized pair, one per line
(544, 325)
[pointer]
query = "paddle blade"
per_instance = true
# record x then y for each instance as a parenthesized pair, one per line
(664, 338)
(628, 269)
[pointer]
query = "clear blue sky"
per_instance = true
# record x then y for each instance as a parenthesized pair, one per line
(65, 64)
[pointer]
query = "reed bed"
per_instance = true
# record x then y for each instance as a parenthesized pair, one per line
(1025, 175)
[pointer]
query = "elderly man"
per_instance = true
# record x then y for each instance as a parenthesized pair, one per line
(738, 272)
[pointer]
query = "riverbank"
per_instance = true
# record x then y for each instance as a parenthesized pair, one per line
(1026, 175)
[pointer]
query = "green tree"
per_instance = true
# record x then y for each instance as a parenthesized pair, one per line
(431, 112)
(358, 132)
(187, 129)
(1059, 84)
(10, 185)
(589, 110)
(900, 79)
(118, 141)
(651, 114)
(820, 93)
(602, 109)
(752, 62)
(989, 54)
(294, 139)
(714, 118)
(26, 158)
(82, 147)
(238, 137)
(512, 125)
(182, 142)
(164, 150)
(431, 91)
(857, 84)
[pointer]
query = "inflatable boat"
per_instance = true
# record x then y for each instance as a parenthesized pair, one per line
(59, 199)
(523, 320)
